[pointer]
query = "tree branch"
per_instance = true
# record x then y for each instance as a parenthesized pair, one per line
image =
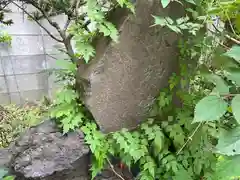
(67, 24)
(32, 17)
(54, 24)
(69, 48)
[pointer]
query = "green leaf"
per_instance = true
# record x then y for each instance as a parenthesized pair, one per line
(165, 3)
(236, 107)
(85, 50)
(210, 108)
(197, 166)
(121, 2)
(221, 85)
(234, 53)
(3, 172)
(220, 61)
(182, 20)
(233, 74)
(182, 174)
(191, 1)
(174, 28)
(9, 178)
(227, 168)
(65, 64)
(229, 142)
(113, 31)
(158, 143)
(104, 30)
(66, 128)
(150, 166)
(159, 20)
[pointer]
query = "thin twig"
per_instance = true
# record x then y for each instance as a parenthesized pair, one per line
(45, 29)
(54, 24)
(232, 39)
(110, 164)
(5, 6)
(51, 56)
(223, 45)
(226, 35)
(189, 138)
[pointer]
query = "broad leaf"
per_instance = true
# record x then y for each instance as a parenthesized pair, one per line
(221, 85)
(220, 61)
(229, 142)
(233, 74)
(165, 3)
(227, 168)
(210, 108)
(182, 174)
(234, 53)
(236, 107)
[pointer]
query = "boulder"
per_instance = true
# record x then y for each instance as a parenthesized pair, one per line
(125, 77)
(45, 153)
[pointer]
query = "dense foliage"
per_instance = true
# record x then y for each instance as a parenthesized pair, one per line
(14, 120)
(187, 142)
(199, 139)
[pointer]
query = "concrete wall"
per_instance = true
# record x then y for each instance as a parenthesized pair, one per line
(23, 66)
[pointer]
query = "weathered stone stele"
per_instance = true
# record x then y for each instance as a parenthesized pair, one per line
(126, 77)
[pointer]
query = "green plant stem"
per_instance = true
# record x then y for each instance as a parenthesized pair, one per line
(115, 172)
(189, 138)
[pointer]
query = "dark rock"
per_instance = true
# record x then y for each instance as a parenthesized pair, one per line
(5, 157)
(44, 153)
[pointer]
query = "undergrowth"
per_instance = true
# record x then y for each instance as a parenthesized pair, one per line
(16, 119)
(193, 141)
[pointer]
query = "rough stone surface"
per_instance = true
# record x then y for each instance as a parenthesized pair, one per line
(126, 77)
(43, 152)
(5, 157)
